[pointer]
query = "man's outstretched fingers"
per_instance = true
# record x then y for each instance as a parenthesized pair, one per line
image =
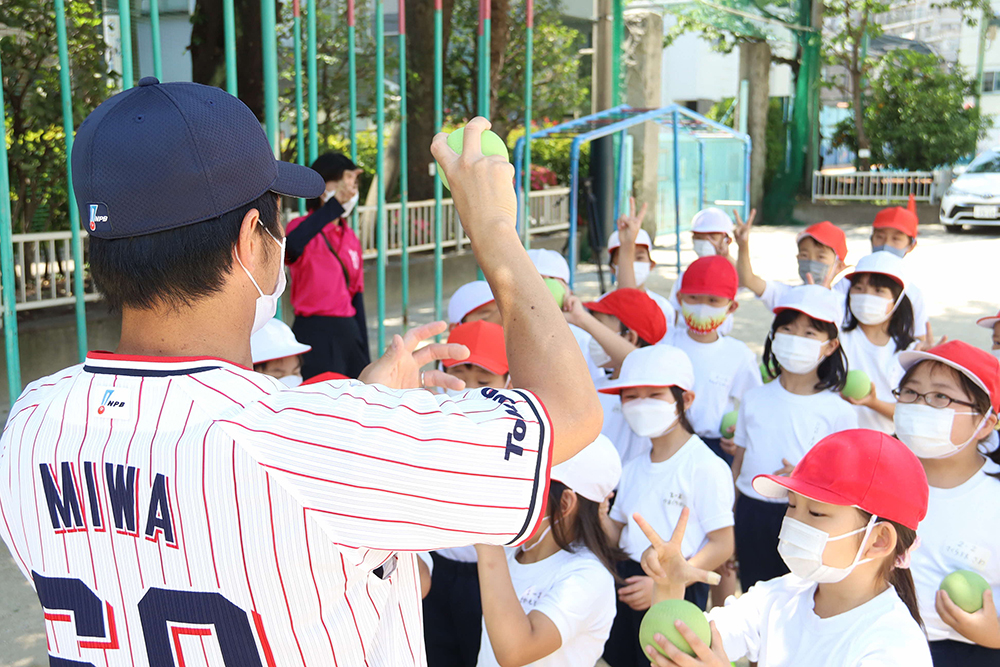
(417, 334)
(440, 352)
(436, 378)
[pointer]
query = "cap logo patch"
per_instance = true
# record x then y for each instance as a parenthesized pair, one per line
(98, 214)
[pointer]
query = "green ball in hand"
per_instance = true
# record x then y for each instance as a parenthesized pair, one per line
(858, 385)
(765, 374)
(728, 426)
(490, 143)
(557, 290)
(965, 589)
(660, 619)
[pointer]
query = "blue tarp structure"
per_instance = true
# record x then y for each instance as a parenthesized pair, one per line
(684, 128)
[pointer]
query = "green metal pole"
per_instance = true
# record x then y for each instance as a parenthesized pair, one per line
(484, 58)
(154, 29)
(352, 85)
(7, 269)
(312, 80)
(269, 41)
(66, 95)
(380, 222)
(229, 25)
(528, 56)
(125, 25)
(438, 126)
(617, 36)
(404, 221)
(300, 149)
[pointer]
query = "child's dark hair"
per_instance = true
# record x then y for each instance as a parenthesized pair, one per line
(832, 371)
(587, 529)
(900, 578)
(622, 330)
(980, 399)
(682, 418)
(901, 321)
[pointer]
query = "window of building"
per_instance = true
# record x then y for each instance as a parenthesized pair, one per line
(991, 82)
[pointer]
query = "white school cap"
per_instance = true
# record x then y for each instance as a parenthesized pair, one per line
(593, 472)
(712, 220)
(550, 264)
(467, 298)
(653, 366)
(642, 238)
(816, 301)
(275, 340)
(883, 262)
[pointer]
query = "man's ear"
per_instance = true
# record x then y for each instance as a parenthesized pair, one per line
(247, 245)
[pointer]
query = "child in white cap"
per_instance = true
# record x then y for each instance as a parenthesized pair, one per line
(993, 324)
(655, 387)
(276, 352)
(629, 254)
(876, 329)
(780, 421)
(551, 602)
(472, 302)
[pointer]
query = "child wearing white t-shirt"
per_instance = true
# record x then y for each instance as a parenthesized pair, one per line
(630, 258)
(780, 421)
(946, 408)
(551, 602)
(724, 368)
(876, 330)
(854, 503)
(655, 387)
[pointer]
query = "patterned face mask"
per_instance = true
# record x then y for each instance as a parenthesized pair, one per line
(702, 317)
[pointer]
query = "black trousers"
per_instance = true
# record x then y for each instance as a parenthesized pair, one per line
(757, 526)
(949, 653)
(453, 614)
(622, 648)
(715, 444)
(337, 345)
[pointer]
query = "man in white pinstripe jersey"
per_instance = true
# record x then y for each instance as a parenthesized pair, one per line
(172, 507)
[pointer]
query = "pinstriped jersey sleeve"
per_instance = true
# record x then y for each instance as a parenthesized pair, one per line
(404, 470)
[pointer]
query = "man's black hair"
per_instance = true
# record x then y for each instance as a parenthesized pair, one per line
(175, 267)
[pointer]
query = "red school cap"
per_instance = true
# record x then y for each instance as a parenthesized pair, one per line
(636, 311)
(714, 275)
(486, 346)
(858, 468)
(828, 234)
(978, 365)
(899, 218)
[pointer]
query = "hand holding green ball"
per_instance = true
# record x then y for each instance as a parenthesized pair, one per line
(965, 588)
(491, 144)
(660, 619)
(728, 425)
(858, 385)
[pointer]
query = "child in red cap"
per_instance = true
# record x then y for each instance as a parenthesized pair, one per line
(855, 501)
(895, 231)
(724, 367)
(946, 412)
(822, 253)
(619, 322)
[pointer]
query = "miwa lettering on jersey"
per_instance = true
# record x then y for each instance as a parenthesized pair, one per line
(188, 511)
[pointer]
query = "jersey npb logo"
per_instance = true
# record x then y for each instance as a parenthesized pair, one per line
(115, 403)
(98, 213)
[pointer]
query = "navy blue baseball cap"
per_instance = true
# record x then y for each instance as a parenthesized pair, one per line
(164, 155)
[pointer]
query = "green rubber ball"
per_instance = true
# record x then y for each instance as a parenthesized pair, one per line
(965, 589)
(660, 619)
(858, 385)
(728, 426)
(490, 143)
(765, 374)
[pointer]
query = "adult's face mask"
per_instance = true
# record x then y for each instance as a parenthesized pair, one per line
(267, 304)
(818, 270)
(927, 431)
(703, 248)
(871, 309)
(597, 354)
(650, 417)
(796, 354)
(898, 252)
(702, 317)
(291, 381)
(801, 546)
(351, 203)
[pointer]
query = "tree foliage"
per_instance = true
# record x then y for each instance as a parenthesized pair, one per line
(35, 140)
(916, 115)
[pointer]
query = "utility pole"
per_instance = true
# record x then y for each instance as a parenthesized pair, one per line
(602, 151)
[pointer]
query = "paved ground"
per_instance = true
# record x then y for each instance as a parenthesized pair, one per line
(959, 276)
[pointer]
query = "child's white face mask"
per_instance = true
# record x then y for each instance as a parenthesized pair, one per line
(801, 546)
(870, 309)
(927, 431)
(650, 417)
(797, 354)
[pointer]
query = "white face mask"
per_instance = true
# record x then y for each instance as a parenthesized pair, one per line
(871, 309)
(702, 317)
(267, 304)
(650, 417)
(642, 270)
(291, 381)
(597, 354)
(703, 248)
(796, 354)
(927, 431)
(351, 203)
(538, 540)
(801, 546)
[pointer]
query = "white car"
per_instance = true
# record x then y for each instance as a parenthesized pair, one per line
(974, 197)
